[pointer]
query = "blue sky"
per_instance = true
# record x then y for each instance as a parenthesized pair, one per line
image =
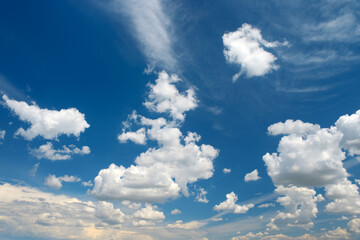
(161, 119)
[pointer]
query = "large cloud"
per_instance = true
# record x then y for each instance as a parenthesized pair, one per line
(310, 156)
(245, 47)
(47, 123)
(161, 172)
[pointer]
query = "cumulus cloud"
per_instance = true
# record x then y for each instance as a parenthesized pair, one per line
(175, 211)
(309, 156)
(137, 137)
(230, 204)
(201, 196)
(354, 225)
(292, 127)
(164, 97)
(47, 151)
(38, 214)
(47, 123)
(252, 176)
(151, 27)
(161, 172)
(56, 182)
(245, 47)
(226, 170)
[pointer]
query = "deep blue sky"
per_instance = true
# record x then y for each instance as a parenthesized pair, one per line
(92, 56)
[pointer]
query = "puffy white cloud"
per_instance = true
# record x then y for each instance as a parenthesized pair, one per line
(230, 204)
(310, 156)
(300, 205)
(349, 126)
(175, 211)
(201, 196)
(106, 212)
(48, 152)
(164, 97)
(337, 234)
(186, 226)
(354, 225)
(311, 160)
(56, 182)
(137, 137)
(47, 123)
(162, 171)
(37, 214)
(226, 170)
(149, 213)
(253, 176)
(245, 47)
(292, 127)
(87, 184)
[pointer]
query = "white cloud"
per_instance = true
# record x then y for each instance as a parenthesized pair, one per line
(151, 27)
(149, 213)
(292, 127)
(162, 171)
(226, 170)
(230, 204)
(106, 212)
(349, 126)
(48, 152)
(310, 156)
(337, 234)
(164, 97)
(201, 196)
(266, 205)
(186, 226)
(245, 47)
(47, 123)
(137, 137)
(87, 184)
(175, 211)
(354, 225)
(2, 135)
(253, 176)
(56, 182)
(34, 169)
(300, 205)
(37, 214)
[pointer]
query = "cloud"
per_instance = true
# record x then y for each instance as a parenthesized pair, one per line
(266, 205)
(56, 182)
(47, 123)
(150, 24)
(162, 171)
(186, 226)
(34, 169)
(245, 47)
(292, 127)
(309, 156)
(175, 211)
(106, 212)
(47, 151)
(165, 98)
(137, 137)
(87, 184)
(149, 213)
(230, 204)
(201, 196)
(226, 170)
(354, 225)
(253, 176)
(2, 135)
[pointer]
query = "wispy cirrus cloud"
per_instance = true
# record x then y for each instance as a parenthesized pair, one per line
(152, 27)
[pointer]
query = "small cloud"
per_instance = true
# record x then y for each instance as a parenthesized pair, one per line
(48, 152)
(266, 205)
(56, 182)
(253, 176)
(87, 184)
(215, 110)
(2, 135)
(34, 169)
(175, 211)
(226, 170)
(201, 196)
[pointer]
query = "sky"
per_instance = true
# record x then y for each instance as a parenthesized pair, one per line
(162, 119)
